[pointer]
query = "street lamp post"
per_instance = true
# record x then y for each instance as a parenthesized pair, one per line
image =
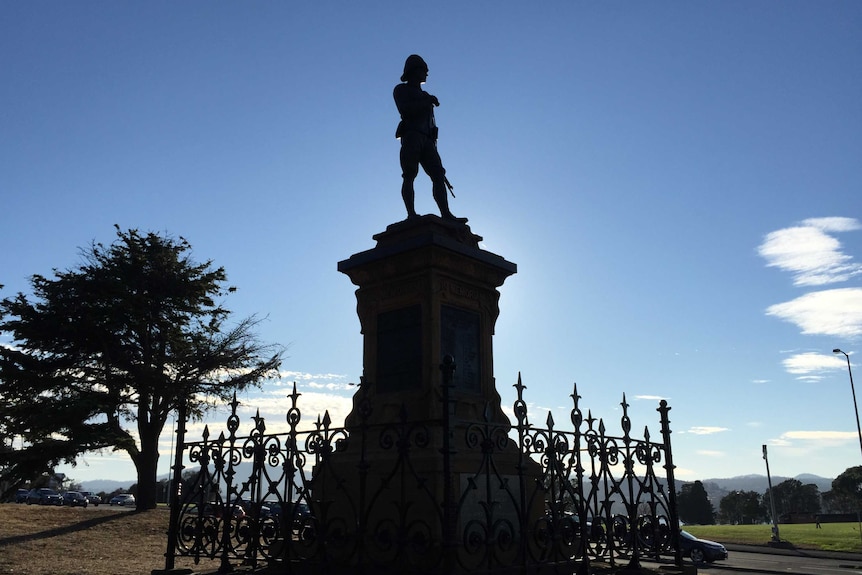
(853, 390)
(858, 429)
(775, 536)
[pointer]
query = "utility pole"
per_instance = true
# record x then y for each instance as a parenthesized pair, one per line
(858, 428)
(775, 536)
(853, 390)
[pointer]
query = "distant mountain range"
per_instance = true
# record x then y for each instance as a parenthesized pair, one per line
(106, 485)
(110, 485)
(716, 489)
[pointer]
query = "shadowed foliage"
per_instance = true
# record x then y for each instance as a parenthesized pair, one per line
(101, 355)
(694, 505)
(846, 493)
(792, 496)
(742, 507)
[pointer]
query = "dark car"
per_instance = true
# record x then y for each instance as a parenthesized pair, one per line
(44, 496)
(700, 550)
(92, 498)
(21, 495)
(216, 509)
(74, 499)
(298, 513)
(298, 510)
(236, 510)
(270, 509)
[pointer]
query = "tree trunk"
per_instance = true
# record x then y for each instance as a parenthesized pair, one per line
(147, 464)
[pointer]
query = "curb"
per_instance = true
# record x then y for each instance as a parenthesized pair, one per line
(816, 553)
(854, 559)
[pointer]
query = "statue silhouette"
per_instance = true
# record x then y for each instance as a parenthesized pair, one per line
(418, 133)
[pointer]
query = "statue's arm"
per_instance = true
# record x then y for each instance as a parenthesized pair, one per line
(413, 103)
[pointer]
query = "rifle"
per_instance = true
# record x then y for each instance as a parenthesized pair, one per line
(449, 185)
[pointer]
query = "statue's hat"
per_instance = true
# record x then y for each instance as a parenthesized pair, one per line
(413, 62)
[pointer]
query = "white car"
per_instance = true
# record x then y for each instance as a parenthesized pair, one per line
(123, 500)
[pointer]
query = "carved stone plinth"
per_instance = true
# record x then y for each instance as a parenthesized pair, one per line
(426, 291)
(428, 477)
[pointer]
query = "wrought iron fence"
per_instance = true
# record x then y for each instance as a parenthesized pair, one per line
(444, 496)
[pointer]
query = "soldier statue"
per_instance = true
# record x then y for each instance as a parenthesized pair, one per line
(418, 134)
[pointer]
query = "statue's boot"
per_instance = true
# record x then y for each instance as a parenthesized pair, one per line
(443, 203)
(408, 195)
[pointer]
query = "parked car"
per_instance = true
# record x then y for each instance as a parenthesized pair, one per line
(74, 499)
(21, 495)
(700, 550)
(270, 509)
(216, 509)
(44, 496)
(92, 498)
(246, 504)
(298, 510)
(123, 500)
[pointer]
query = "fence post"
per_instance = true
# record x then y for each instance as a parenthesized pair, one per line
(176, 481)
(520, 409)
(631, 504)
(577, 418)
(257, 439)
(663, 409)
(230, 488)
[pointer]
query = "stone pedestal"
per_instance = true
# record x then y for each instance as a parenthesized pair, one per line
(428, 477)
(426, 291)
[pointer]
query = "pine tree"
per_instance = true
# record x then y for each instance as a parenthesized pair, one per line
(104, 352)
(694, 506)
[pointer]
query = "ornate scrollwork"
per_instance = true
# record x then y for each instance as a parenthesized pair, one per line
(597, 496)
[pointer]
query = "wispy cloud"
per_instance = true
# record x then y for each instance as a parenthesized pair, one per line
(318, 394)
(331, 386)
(814, 256)
(810, 441)
(836, 312)
(810, 253)
(812, 364)
(686, 472)
(706, 430)
(829, 436)
(650, 398)
(710, 453)
(808, 444)
(273, 408)
(287, 377)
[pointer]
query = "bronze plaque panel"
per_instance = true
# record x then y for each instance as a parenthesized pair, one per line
(399, 349)
(459, 334)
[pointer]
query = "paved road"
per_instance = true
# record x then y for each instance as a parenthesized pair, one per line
(766, 561)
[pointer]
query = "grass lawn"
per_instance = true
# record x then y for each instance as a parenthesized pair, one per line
(37, 540)
(831, 537)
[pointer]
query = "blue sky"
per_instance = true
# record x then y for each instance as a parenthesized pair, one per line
(678, 182)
